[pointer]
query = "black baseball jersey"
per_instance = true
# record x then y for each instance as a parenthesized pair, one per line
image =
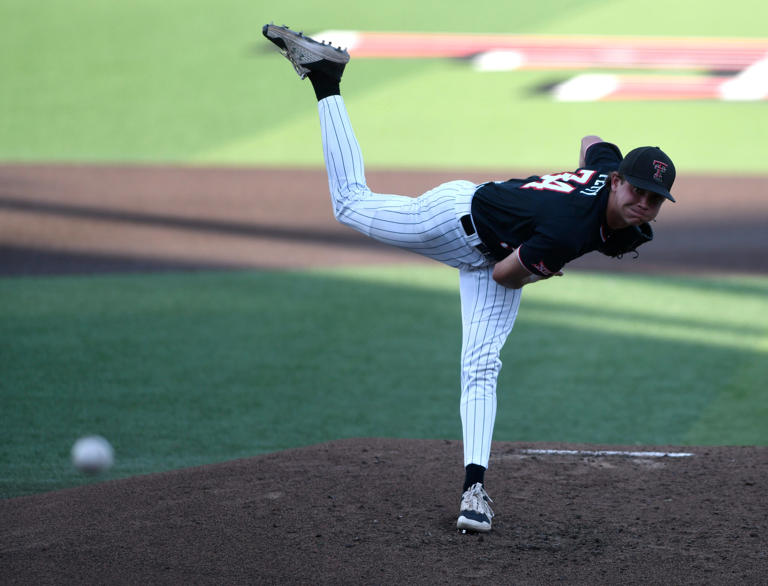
(554, 218)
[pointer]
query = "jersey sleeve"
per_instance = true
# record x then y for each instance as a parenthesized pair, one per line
(541, 256)
(602, 155)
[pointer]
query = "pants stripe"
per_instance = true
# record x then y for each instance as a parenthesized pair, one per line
(488, 315)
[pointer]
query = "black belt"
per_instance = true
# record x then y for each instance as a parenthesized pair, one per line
(469, 229)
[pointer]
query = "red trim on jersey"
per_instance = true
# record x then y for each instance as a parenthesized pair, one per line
(517, 252)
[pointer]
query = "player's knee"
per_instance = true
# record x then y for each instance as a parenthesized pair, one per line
(347, 204)
(481, 378)
(480, 359)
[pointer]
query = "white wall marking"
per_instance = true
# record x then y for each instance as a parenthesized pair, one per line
(498, 60)
(587, 87)
(348, 40)
(750, 84)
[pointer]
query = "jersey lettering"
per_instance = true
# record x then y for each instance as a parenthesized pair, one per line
(593, 189)
(560, 182)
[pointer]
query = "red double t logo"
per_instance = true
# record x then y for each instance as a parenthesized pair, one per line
(661, 168)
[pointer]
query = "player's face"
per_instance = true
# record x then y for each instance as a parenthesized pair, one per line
(633, 206)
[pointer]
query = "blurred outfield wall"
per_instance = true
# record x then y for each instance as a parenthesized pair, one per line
(194, 82)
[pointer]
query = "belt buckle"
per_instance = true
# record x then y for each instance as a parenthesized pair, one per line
(485, 251)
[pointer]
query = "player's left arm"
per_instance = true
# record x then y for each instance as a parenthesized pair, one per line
(512, 274)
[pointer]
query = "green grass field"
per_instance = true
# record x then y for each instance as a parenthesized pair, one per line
(195, 82)
(186, 369)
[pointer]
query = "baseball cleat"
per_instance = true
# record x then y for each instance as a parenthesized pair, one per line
(475, 513)
(306, 54)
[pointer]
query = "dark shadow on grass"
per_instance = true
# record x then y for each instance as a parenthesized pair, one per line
(19, 261)
(691, 247)
(250, 229)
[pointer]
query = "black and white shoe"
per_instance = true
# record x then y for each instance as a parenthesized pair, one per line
(306, 54)
(476, 512)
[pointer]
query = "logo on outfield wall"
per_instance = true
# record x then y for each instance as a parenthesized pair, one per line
(739, 67)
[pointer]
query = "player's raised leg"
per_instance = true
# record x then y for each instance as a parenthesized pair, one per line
(428, 225)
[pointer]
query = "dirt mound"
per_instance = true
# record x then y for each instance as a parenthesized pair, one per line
(383, 511)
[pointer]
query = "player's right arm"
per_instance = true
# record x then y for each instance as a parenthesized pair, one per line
(512, 274)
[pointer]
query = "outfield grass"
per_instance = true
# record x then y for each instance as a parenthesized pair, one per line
(186, 369)
(194, 82)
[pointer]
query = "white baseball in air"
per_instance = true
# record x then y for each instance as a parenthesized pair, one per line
(92, 454)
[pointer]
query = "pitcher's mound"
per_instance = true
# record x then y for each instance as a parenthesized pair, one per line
(383, 511)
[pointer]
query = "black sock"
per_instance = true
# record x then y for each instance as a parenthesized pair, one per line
(323, 85)
(474, 473)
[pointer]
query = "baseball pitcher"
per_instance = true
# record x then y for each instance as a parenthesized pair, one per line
(501, 236)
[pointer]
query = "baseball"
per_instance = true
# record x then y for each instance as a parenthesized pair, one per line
(92, 454)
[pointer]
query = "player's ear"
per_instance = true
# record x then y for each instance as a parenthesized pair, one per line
(616, 179)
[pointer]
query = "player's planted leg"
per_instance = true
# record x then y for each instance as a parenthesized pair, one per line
(488, 313)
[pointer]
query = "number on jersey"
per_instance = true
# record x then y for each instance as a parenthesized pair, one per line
(561, 182)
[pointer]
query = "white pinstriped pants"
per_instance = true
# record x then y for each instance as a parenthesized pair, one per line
(429, 225)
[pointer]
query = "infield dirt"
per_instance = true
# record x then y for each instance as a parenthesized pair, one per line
(84, 219)
(369, 511)
(383, 511)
